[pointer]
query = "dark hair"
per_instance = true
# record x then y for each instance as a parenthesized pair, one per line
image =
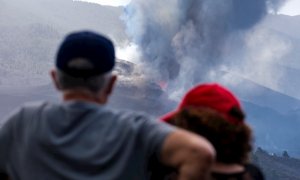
(231, 141)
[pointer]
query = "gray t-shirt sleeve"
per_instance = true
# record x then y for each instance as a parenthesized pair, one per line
(153, 134)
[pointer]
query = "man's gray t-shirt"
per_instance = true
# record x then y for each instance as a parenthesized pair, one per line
(78, 140)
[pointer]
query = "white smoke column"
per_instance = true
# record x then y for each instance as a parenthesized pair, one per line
(183, 41)
(130, 52)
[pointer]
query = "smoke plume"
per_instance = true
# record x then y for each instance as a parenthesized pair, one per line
(185, 42)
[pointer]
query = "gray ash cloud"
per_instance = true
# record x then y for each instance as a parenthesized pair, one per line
(185, 41)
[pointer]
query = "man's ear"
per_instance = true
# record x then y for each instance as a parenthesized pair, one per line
(53, 75)
(110, 85)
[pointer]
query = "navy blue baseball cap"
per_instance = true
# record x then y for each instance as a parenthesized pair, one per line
(85, 54)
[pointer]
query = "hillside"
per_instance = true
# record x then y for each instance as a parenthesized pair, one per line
(31, 31)
(277, 167)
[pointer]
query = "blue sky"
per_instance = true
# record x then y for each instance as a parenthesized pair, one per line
(292, 7)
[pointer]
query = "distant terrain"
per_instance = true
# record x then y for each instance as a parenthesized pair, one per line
(31, 31)
(277, 166)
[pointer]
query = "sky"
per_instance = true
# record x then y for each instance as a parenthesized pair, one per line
(291, 8)
(109, 2)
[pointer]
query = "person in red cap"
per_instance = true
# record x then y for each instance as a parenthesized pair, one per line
(213, 112)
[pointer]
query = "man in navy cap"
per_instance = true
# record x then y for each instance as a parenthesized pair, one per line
(81, 138)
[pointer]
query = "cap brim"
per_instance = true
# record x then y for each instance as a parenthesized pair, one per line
(167, 117)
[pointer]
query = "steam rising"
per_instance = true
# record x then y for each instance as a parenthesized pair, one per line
(185, 42)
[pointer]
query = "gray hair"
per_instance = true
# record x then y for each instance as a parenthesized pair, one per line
(93, 84)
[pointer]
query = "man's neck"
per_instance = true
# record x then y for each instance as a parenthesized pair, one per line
(83, 96)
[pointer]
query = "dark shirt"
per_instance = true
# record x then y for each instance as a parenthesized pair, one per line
(161, 172)
(251, 172)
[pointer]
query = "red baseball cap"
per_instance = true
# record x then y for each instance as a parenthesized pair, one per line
(212, 96)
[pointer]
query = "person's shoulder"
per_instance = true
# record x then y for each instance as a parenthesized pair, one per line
(135, 118)
(21, 114)
(23, 107)
(130, 115)
(34, 106)
(26, 110)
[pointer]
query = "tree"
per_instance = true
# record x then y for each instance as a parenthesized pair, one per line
(285, 154)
